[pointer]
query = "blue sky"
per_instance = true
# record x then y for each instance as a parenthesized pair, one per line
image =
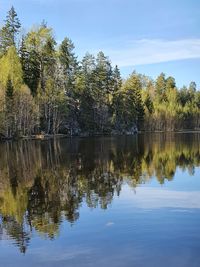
(149, 36)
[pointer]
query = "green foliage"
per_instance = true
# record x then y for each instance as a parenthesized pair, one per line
(30, 66)
(38, 57)
(10, 68)
(9, 31)
(117, 80)
(133, 88)
(44, 88)
(9, 89)
(160, 87)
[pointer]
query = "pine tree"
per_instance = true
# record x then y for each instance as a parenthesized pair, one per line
(9, 31)
(160, 88)
(23, 54)
(69, 65)
(103, 73)
(134, 83)
(170, 83)
(117, 80)
(87, 94)
(68, 72)
(128, 107)
(9, 90)
(104, 89)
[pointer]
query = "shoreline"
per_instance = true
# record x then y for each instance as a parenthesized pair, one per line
(45, 137)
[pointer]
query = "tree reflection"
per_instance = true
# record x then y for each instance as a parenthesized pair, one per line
(44, 183)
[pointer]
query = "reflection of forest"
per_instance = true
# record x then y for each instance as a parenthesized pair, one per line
(42, 183)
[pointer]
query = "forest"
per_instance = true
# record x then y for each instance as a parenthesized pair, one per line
(45, 89)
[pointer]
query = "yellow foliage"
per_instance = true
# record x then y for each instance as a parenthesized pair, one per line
(37, 38)
(25, 90)
(10, 67)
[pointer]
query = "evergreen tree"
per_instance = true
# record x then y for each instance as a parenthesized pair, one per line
(148, 103)
(69, 69)
(193, 87)
(24, 59)
(104, 89)
(128, 106)
(183, 96)
(103, 73)
(40, 46)
(87, 93)
(89, 96)
(9, 31)
(117, 80)
(170, 83)
(9, 90)
(68, 62)
(134, 83)
(160, 87)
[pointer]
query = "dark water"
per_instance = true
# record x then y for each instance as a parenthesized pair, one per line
(124, 201)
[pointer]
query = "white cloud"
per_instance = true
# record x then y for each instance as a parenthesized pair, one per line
(155, 198)
(109, 224)
(149, 51)
(52, 255)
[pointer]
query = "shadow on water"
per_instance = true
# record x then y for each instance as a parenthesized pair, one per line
(43, 183)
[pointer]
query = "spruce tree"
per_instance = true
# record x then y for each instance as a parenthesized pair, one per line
(69, 65)
(117, 80)
(9, 31)
(9, 90)
(160, 88)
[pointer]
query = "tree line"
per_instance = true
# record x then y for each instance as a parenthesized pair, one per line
(44, 88)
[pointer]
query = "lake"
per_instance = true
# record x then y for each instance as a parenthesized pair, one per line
(104, 201)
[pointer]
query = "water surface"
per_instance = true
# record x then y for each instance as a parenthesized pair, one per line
(112, 201)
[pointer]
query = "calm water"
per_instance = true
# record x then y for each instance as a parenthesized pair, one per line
(121, 201)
